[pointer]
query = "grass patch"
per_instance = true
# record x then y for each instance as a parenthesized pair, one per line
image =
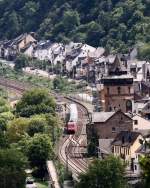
(65, 86)
(7, 72)
(42, 185)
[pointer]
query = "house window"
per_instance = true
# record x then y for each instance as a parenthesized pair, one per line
(113, 149)
(135, 167)
(107, 90)
(128, 106)
(119, 90)
(113, 129)
(135, 122)
(129, 90)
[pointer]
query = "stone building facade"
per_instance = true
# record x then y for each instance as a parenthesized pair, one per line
(108, 124)
(118, 92)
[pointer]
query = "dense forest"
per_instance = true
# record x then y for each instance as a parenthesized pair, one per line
(114, 24)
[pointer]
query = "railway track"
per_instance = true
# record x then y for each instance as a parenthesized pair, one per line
(70, 151)
(73, 157)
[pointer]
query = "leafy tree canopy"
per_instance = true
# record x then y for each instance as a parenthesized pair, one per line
(113, 24)
(37, 124)
(12, 168)
(108, 173)
(17, 129)
(144, 52)
(39, 151)
(145, 165)
(21, 61)
(35, 101)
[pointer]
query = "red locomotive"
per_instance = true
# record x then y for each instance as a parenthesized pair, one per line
(71, 125)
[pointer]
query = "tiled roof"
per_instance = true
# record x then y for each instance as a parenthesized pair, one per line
(125, 138)
(101, 116)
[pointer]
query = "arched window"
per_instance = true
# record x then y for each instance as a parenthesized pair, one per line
(128, 106)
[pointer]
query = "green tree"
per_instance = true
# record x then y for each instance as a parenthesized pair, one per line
(37, 124)
(35, 101)
(39, 151)
(17, 129)
(4, 107)
(71, 19)
(58, 83)
(94, 33)
(12, 169)
(145, 165)
(3, 136)
(12, 20)
(15, 18)
(54, 127)
(108, 173)
(3, 140)
(21, 62)
(144, 52)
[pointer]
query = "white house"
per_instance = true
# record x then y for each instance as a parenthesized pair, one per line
(43, 50)
(141, 124)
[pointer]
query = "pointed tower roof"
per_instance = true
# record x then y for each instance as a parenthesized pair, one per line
(117, 67)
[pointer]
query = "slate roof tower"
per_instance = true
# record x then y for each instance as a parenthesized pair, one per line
(118, 88)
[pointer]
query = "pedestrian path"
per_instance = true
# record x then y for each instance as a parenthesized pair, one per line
(52, 174)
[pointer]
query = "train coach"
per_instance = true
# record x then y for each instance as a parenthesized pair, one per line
(71, 125)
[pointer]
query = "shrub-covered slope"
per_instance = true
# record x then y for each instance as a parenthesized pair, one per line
(108, 23)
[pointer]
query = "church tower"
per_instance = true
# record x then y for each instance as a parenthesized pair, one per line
(118, 92)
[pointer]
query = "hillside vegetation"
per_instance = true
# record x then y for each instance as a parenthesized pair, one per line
(109, 23)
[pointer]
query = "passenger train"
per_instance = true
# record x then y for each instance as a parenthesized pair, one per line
(71, 125)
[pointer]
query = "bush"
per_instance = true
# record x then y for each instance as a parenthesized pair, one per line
(21, 61)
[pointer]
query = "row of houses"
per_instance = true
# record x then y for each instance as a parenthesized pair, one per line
(77, 60)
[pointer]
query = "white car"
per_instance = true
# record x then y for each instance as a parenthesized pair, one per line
(30, 183)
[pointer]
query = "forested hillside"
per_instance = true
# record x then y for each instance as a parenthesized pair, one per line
(108, 23)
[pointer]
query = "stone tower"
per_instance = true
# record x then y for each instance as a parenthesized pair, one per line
(118, 92)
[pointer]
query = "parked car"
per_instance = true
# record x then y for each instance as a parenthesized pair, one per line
(30, 183)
